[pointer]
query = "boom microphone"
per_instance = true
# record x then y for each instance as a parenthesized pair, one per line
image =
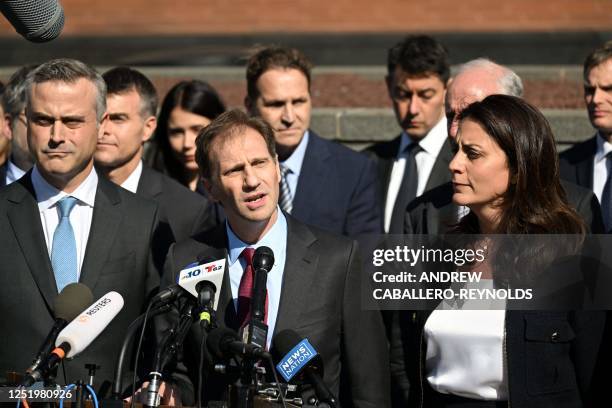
(298, 360)
(36, 20)
(68, 304)
(79, 334)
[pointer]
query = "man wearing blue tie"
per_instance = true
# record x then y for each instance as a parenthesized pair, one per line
(61, 223)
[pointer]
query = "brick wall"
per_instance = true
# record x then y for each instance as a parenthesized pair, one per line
(142, 17)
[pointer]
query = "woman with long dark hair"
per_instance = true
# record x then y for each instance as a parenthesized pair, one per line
(187, 108)
(506, 172)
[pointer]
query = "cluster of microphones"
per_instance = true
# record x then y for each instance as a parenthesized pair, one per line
(241, 356)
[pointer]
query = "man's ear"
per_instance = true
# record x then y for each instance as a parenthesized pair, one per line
(150, 125)
(210, 189)
(249, 104)
(101, 125)
(7, 128)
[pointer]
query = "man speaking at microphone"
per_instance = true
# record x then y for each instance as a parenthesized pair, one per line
(314, 285)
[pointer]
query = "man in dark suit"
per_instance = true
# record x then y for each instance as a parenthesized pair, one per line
(323, 183)
(62, 224)
(418, 73)
(589, 163)
(13, 104)
(131, 106)
(434, 212)
(314, 285)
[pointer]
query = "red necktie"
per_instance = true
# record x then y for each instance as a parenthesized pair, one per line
(245, 290)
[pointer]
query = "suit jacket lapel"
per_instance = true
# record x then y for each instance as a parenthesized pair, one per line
(440, 173)
(584, 169)
(314, 168)
(386, 156)
(149, 186)
(25, 220)
(104, 225)
(300, 271)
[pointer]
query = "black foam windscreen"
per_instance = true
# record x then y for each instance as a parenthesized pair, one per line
(35, 20)
(218, 338)
(72, 300)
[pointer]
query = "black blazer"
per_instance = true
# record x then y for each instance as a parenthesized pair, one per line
(576, 163)
(3, 174)
(117, 257)
(337, 190)
(434, 211)
(320, 299)
(551, 358)
(181, 211)
(386, 153)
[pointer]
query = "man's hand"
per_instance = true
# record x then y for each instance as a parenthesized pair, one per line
(169, 394)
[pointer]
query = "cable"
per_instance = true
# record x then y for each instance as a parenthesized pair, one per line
(89, 389)
(200, 369)
(93, 395)
(142, 332)
(280, 390)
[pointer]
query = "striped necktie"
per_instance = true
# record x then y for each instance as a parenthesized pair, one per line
(285, 200)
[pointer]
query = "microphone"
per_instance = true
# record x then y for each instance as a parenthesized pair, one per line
(298, 360)
(194, 278)
(256, 331)
(67, 305)
(79, 334)
(224, 343)
(35, 20)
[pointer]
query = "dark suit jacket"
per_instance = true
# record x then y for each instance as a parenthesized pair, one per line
(181, 211)
(117, 257)
(3, 174)
(433, 212)
(576, 163)
(550, 358)
(386, 153)
(337, 190)
(320, 299)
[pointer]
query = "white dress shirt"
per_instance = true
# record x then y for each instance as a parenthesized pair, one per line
(465, 351)
(131, 183)
(13, 173)
(47, 197)
(425, 159)
(600, 169)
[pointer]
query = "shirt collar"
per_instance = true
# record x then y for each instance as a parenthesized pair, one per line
(294, 162)
(131, 183)
(432, 142)
(14, 173)
(275, 238)
(603, 147)
(47, 195)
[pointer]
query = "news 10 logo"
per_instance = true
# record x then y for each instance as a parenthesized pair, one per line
(196, 270)
(296, 359)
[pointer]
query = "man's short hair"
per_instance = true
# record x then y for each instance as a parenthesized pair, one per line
(419, 55)
(14, 95)
(274, 57)
(509, 82)
(596, 57)
(68, 71)
(120, 80)
(226, 125)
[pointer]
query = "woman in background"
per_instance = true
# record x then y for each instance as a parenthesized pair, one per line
(506, 172)
(187, 108)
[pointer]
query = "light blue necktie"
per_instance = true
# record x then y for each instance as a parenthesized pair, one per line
(285, 199)
(63, 250)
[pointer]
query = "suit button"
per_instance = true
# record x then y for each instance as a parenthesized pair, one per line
(554, 337)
